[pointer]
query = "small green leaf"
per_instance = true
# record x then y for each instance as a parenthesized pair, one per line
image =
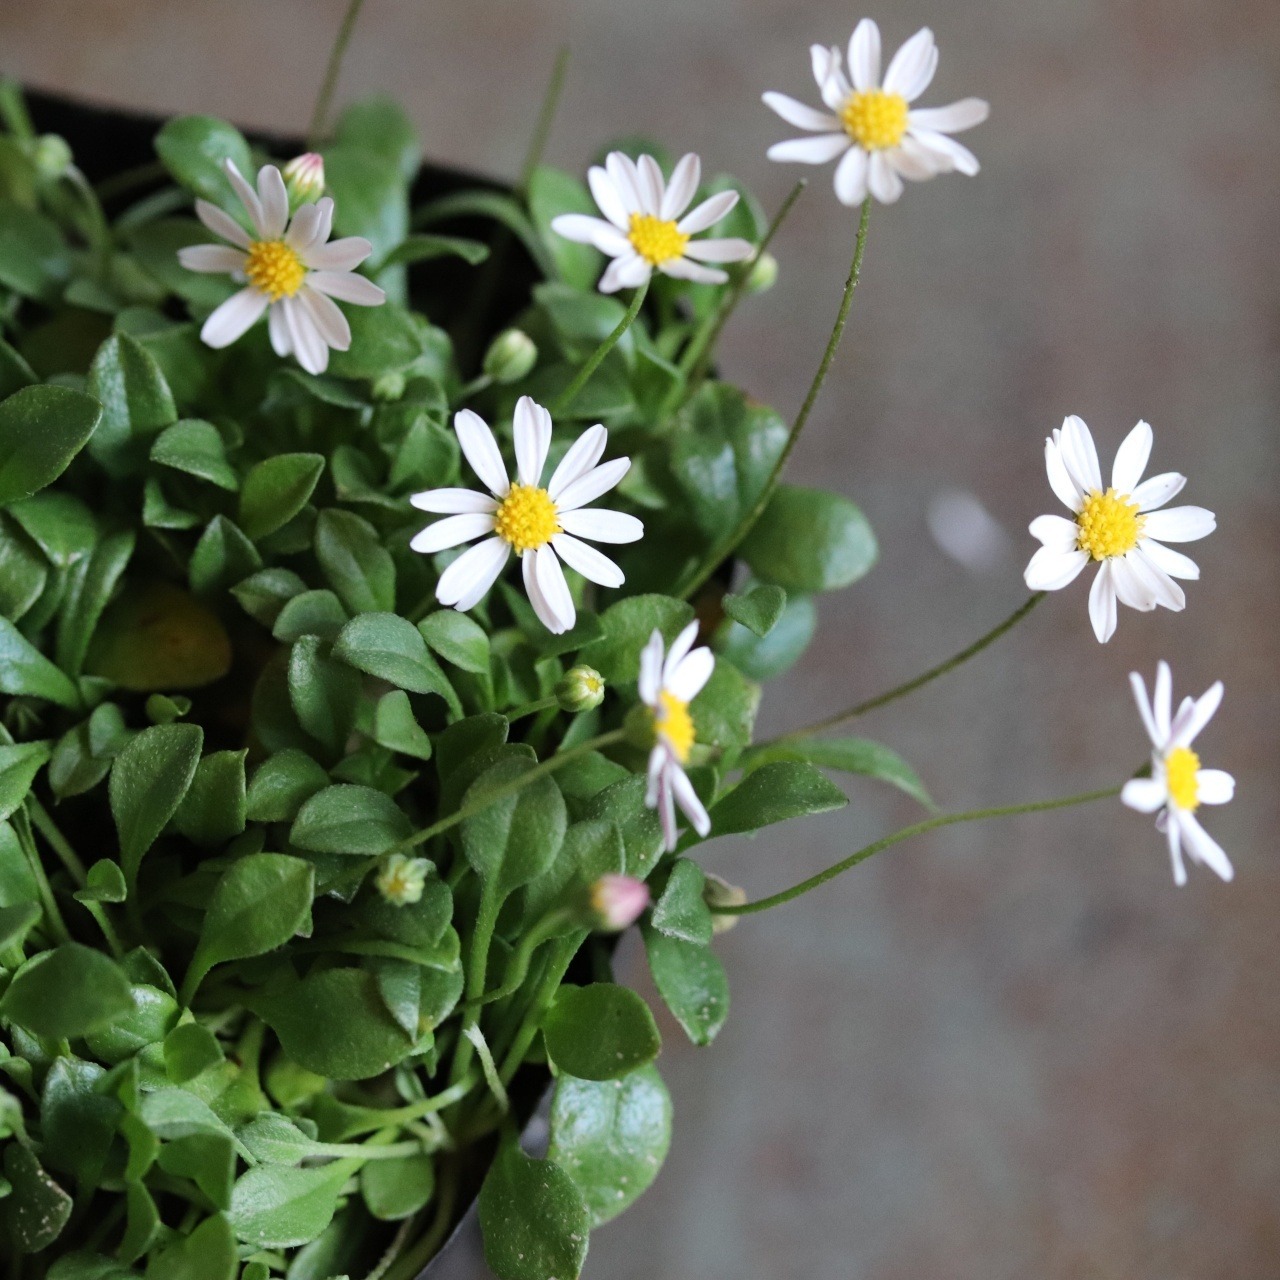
(349, 819)
(275, 490)
(724, 712)
(627, 626)
(324, 694)
(141, 1224)
(358, 567)
(600, 1032)
(24, 572)
(770, 656)
(281, 784)
(223, 556)
(213, 810)
(553, 192)
(153, 1015)
(16, 922)
(64, 993)
(77, 1120)
(264, 594)
(310, 613)
(103, 883)
(681, 912)
(774, 793)
(759, 609)
(810, 540)
(196, 448)
(849, 755)
(33, 254)
(25, 670)
(278, 1208)
(395, 727)
(396, 1189)
(384, 339)
(457, 639)
(190, 1049)
(208, 1253)
(692, 984)
(533, 1217)
(422, 248)
(91, 585)
(386, 646)
(19, 765)
(59, 524)
(41, 430)
(194, 148)
(136, 403)
(37, 1208)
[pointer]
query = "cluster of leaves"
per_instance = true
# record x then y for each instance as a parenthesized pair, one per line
(228, 695)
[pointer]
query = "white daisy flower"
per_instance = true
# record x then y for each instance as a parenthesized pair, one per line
(289, 270)
(541, 525)
(644, 227)
(871, 124)
(1120, 527)
(1178, 786)
(667, 686)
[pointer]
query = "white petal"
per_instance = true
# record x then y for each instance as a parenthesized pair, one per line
(1159, 584)
(1132, 588)
(222, 224)
(691, 673)
(688, 801)
(481, 451)
(1174, 563)
(1202, 846)
(554, 589)
(1131, 458)
(1139, 687)
(531, 430)
(1186, 709)
(1068, 492)
(800, 115)
(652, 187)
(338, 255)
(324, 228)
(625, 273)
(727, 249)
(546, 614)
(883, 182)
(248, 197)
(686, 269)
(1186, 729)
(816, 150)
(347, 287)
(708, 213)
(609, 202)
(836, 90)
(1146, 795)
(913, 66)
(1056, 531)
(302, 230)
(950, 154)
(912, 161)
(682, 187)
(824, 59)
(1179, 524)
(1162, 702)
(1214, 786)
(1173, 834)
(1102, 604)
(587, 488)
(596, 232)
(1158, 490)
(452, 531)
(587, 561)
(651, 669)
(450, 502)
(952, 118)
(667, 806)
(1080, 454)
(278, 331)
(212, 258)
(275, 202)
(233, 318)
(582, 455)
(851, 176)
(330, 323)
(309, 346)
(864, 55)
(467, 578)
(626, 180)
(602, 526)
(679, 650)
(657, 759)
(1051, 569)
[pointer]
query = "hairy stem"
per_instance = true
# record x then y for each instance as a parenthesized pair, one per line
(318, 117)
(567, 396)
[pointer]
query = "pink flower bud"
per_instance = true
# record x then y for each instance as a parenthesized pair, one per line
(617, 901)
(304, 179)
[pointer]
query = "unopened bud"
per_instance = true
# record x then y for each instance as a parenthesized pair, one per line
(389, 387)
(617, 901)
(510, 356)
(580, 689)
(720, 893)
(763, 274)
(402, 879)
(304, 179)
(51, 155)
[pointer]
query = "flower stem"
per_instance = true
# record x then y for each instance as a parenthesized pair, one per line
(318, 116)
(546, 114)
(744, 526)
(531, 708)
(910, 686)
(919, 828)
(567, 396)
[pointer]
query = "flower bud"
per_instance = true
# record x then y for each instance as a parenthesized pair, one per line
(510, 356)
(763, 274)
(402, 879)
(580, 689)
(617, 901)
(304, 179)
(51, 155)
(389, 387)
(720, 893)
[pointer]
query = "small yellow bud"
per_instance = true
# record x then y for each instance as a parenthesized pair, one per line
(402, 879)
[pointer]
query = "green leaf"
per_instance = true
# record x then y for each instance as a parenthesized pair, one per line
(208, 1253)
(387, 646)
(64, 993)
(213, 810)
(153, 1015)
(103, 883)
(311, 613)
(136, 403)
(24, 572)
(396, 1189)
(59, 524)
(516, 838)
(19, 765)
(16, 922)
(142, 1223)
(349, 819)
(623, 802)
(92, 582)
(193, 149)
(264, 594)
(358, 567)
(611, 1137)
(692, 984)
(195, 448)
(762, 659)
(148, 780)
(279, 1208)
(37, 1208)
(281, 784)
(25, 670)
(553, 192)
(810, 540)
(208, 1159)
(849, 755)
(627, 626)
(395, 727)
(190, 1049)
(370, 198)
(457, 639)
(77, 1120)
(533, 1217)
(324, 694)
(223, 556)
(759, 609)
(41, 430)
(773, 793)
(89, 1266)
(600, 1032)
(681, 912)
(172, 1114)
(33, 254)
(15, 372)
(423, 248)
(384, 339)
(275, 490)
(724, 712)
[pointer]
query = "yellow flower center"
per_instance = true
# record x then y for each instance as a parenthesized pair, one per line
(526, 518)
(1109, 524)
(275, 269)
(672, 720)
(875, 120)
(654, 240)
(1180, 768)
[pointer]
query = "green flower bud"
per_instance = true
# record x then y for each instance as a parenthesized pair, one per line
(510, 356)
(388, 387)
(720, 893)
(402, 879)
(763, 274)
(580, 689)
(51, 155)
(304, 179)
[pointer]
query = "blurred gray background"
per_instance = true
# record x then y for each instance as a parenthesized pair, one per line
(1005, 1050)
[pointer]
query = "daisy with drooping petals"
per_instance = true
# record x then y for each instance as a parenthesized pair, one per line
(870, 122)
(1121, 527)
(667, 686)
(1178, 786)
(289, 270)
(644, 227)
(541, 525)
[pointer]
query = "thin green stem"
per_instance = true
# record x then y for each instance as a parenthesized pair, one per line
(141, 175)
(518, 965)
(561, 957)
(46, 826)
(399, 1116)
(566, 397)
(53, 916)
(744, 526)
(330, 82)
(917, 829)
(411, 1263)
(918, 682)
(531, 708)
(477, 969)
(546, 114)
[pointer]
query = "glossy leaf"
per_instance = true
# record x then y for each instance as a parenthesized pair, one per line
(692, 983)
(66, 992)
(41, 430)
(773, 793)
(349, 819)
(278, 1208)
(25, 670)
(600, 1032)
(355, 563)
(193, 149)
(275, 490)
(810, 540)
(19, 765)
